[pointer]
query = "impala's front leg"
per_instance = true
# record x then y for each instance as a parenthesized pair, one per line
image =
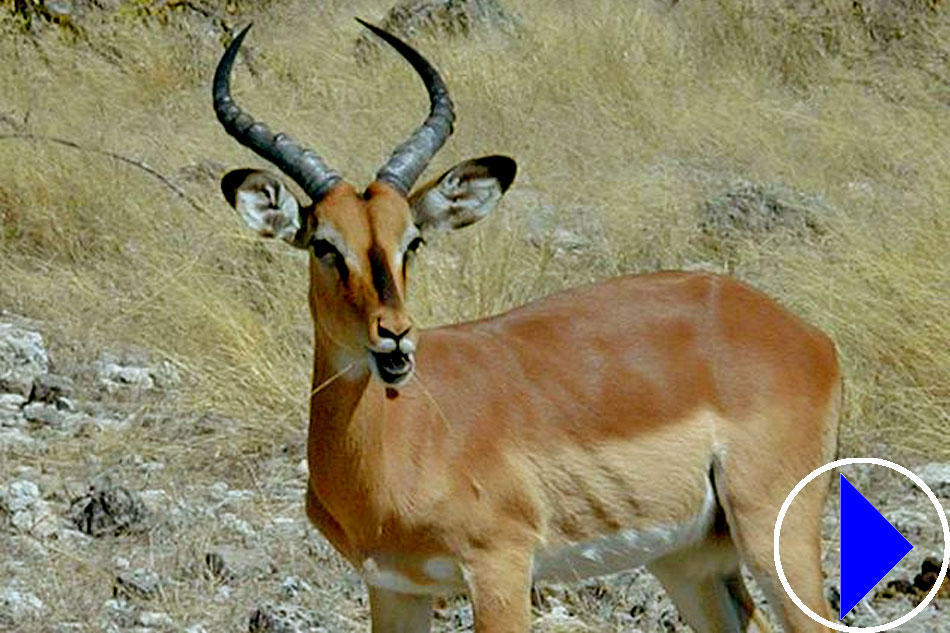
(499, 585)
(399, 612)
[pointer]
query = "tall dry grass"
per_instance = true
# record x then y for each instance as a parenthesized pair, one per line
(625, 114)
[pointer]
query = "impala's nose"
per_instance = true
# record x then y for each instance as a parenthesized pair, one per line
(393, 341)
(391, 333)
(392, 349)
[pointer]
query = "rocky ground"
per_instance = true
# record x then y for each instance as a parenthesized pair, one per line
(107, 523)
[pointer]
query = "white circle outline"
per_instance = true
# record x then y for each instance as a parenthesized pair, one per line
(837, 626)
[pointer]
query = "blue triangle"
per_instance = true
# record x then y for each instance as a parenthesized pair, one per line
(870, 546)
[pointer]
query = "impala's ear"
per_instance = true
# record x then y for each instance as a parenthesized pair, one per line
(265, 204)
(464, 194)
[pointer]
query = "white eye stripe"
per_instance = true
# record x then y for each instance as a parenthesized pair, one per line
(329, 234)
(411, 233)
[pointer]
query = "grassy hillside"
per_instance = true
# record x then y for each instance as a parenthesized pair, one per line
(626, 119)
(798, 147)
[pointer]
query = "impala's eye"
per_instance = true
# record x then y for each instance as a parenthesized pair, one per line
(324, 249)
(326, 252)
(415, 244)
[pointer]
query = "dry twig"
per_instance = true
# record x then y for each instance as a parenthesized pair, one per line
(29, 136)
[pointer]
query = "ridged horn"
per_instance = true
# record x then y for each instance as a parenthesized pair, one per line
(303, 165)
(410, 158)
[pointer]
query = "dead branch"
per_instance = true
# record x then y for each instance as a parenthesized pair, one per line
(154, 173)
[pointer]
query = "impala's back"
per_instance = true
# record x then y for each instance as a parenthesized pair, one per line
(616, 401)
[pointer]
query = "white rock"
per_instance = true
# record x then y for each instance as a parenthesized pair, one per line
(20, 495)
(23, 521)
(230, 521)
(50, 387)
(22, 359)
(285, 527)
(48, 415)
(140, 582)
(154, 619)
(286, 617)
(28, 512)
(292, 585)
(38, 521)
(239, 496)
(560, 618)
(218, 490)
(16, 605)
(18, 439)
(937, 476)
(156, 500)
(11, 410)
(115, 377)
(115, 605)
(26, 471)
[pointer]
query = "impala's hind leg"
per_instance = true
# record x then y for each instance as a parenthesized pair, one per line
(751, 511)
(399, 612)
(705, 585)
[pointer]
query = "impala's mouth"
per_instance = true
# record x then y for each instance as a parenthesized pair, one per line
(393, 368)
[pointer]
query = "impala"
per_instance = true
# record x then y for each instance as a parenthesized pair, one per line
(655, 419)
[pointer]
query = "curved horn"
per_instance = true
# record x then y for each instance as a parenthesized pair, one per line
(411, 157)
(303, 165)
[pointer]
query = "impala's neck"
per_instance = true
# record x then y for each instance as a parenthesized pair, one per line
(346, 444)
(340, 382)
(331, 362)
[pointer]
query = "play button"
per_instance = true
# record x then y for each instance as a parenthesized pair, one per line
(870, 546)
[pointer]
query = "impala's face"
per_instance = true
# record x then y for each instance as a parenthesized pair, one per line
(361, 248)
(360, 245)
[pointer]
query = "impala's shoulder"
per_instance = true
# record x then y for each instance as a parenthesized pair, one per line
(713, 289)
(681, 287)
(469, 340)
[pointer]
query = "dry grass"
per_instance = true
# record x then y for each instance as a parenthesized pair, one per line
(631, 114)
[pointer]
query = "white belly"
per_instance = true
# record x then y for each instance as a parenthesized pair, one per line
(623, 550)
(603, 555)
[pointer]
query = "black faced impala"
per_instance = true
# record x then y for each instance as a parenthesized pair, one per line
(655, 420)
